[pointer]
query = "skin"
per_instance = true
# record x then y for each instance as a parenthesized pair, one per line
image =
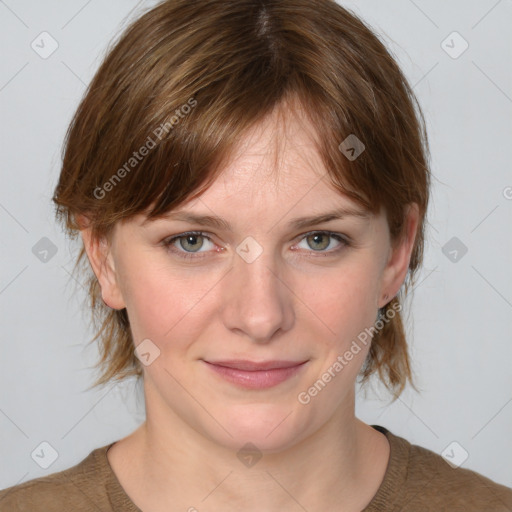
(298, 300)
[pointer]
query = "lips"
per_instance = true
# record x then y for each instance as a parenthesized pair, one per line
(252, 366)
(255, 374)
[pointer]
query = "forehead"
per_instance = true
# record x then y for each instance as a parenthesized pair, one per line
(270, 181)
(277, 155)
(274, 173)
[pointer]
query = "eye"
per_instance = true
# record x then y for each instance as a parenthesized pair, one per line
(186, 245)
(319, 241)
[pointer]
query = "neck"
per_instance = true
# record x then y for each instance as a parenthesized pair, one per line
(339, 466)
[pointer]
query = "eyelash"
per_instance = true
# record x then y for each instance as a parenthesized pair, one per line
(168, 243)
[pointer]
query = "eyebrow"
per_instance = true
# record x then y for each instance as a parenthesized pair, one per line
(297, 223)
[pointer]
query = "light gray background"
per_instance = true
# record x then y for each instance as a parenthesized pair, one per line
(461, 322)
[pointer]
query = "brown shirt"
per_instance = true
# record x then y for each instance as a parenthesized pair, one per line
(416, 480)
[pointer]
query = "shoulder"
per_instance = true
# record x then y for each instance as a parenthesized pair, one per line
(428, 482)
(464, 488)
(78, 488)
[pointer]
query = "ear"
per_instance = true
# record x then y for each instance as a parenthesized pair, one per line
(100, 256)
(395, 272)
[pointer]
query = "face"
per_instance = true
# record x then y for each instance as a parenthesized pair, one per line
(260, 287)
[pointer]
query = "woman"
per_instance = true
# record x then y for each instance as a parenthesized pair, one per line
(250, 181)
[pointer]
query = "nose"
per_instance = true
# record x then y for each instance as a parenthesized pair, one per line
(257, 301)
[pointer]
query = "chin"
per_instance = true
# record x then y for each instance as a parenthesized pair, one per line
(269, 427)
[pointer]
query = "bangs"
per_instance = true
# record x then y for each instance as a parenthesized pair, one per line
(169, 120)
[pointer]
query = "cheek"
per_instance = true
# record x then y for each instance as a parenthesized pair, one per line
(168, 304)
(343, 301)
(162, 302)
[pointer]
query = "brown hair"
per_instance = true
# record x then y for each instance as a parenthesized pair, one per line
(187, 78)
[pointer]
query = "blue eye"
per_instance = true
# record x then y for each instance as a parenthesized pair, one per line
(188, 245)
